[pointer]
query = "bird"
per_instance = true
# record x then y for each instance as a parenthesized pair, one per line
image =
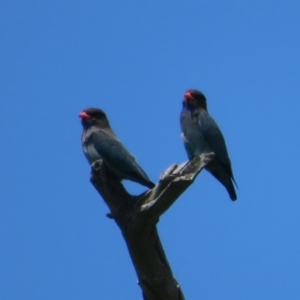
(100, 142)
(201, 134)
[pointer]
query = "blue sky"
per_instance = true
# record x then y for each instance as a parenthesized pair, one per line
(135, 61)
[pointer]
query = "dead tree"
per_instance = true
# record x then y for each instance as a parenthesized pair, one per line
(137, 217)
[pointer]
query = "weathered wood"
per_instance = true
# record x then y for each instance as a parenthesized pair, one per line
(137, 217)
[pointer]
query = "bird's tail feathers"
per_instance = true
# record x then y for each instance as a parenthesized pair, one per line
(217, 170)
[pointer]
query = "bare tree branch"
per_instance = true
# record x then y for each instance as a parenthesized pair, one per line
(137, 217)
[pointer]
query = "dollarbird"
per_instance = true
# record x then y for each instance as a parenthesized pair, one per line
(201, 134)
(100, 142)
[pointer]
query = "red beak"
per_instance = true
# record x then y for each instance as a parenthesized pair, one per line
(188, 96)
(84, 115)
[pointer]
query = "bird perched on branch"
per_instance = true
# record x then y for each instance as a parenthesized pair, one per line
(100, 142)
(201, 134)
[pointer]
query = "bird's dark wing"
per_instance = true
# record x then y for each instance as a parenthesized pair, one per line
(215, 140)
(116, 155)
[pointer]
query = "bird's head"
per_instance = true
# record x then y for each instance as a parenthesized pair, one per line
(93, 116)
(194, 99)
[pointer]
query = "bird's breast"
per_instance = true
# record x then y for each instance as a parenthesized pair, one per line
(88, 147)
(91, 153)
(192, 135)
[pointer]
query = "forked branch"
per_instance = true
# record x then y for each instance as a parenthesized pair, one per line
(137, 217)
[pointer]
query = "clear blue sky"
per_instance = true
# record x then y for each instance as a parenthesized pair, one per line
(135, 60)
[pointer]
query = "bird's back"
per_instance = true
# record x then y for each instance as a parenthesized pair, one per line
(109, 148)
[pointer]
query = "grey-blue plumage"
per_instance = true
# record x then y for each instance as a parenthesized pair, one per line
(201, 134)
(100, 142)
